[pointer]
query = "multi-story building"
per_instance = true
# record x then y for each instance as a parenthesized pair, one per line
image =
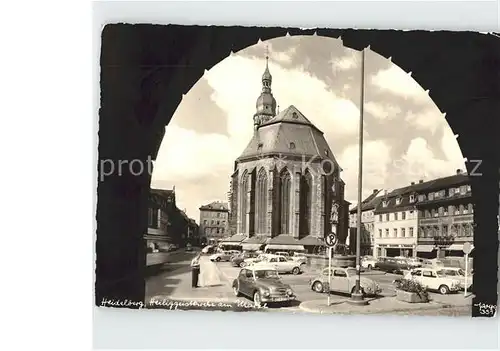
(367, 224)
(446, 219)
(160, 209)
(214, 221)
(428, 219)
(396, 223)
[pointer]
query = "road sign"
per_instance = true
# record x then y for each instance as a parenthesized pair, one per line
(467, 248)
(331, 240)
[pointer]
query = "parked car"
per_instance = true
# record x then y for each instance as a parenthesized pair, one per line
(282, 253)
(343, 280)
(392, 265)
(221, 256)
(281, 264)
(252, 260)
(414, 262)
(238, 260)
(262, 284)
(434, 279)
(432, 263)
(459, 274)
(368, 262)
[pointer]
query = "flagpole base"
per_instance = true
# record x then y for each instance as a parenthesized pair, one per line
(357, 299)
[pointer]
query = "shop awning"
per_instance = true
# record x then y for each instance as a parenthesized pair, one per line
(234, 240)
(457, 247)
(284, 247)
(311, 241)
(425, 248)
(251, 247)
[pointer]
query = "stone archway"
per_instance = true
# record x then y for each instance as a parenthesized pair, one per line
(146, 69)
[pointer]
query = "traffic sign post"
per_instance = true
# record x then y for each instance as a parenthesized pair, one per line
(467, 248)
(330, 241)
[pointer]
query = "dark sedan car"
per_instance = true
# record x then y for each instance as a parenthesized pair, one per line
(237, 260)
(263, 285)
(392, 265)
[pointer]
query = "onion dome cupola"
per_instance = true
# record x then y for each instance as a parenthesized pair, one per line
(266, 103)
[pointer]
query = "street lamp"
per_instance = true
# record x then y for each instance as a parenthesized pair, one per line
(357, 295)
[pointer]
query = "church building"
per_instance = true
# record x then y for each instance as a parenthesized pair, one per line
(286, 188)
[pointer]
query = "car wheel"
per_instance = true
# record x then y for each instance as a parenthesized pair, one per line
(243, 264)
(236, 291)
(443, 290)
(256, 299)
(218, 259)
(296, 270)
(318, 287)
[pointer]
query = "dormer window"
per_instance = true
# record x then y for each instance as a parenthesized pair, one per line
(292, 146)
(398, 201)
(326, 152)
(294, 115)
(384, 203)
(259, 147)
(412, 198)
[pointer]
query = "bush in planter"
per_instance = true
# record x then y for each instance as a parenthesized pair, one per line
(411, 286)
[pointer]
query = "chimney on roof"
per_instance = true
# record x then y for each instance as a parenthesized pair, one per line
(459, 171)
(420, 181)
(412, 183)
(375, 191)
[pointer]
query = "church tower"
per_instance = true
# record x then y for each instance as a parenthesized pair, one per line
(266, 103)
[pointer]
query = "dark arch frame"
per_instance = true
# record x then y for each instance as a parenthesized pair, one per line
(261, 202)
(145, 70)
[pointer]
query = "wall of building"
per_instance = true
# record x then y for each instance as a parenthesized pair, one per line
(214, 224)
(319, 210)
(393, 233)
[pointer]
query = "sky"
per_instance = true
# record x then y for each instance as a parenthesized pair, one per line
(406, 137)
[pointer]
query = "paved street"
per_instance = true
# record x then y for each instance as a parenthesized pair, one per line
(171, 289)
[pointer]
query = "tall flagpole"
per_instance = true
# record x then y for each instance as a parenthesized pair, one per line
(357, 295)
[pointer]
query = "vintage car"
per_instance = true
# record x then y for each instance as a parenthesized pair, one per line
(368, 262)
(238, 260)
(262, 284)
(282, 253)
(434, 279)
(252, 260)
(392, 265)
(221, 256)
(281, 264)
(459, 274)
(343, 280)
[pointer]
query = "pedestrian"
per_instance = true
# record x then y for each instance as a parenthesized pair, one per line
(195, 271)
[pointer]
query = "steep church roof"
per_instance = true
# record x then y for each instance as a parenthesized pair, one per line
(288, 133)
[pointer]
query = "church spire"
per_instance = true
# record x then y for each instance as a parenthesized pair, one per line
(266, 103)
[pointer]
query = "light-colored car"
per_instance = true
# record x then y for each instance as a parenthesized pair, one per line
(224, 256)
(343, 280)
(282, 253)
(263, 284)
(434, 279)
(459, 274)
(281, 264)
(414, 262)
(368, 262)
(432, 263)
(251, 260)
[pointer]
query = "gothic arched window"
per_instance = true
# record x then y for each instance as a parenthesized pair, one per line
(305, 204)
(261, 201)
(284, 201)
(243, 202)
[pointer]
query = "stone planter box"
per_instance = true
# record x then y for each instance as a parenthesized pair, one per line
(409, 297)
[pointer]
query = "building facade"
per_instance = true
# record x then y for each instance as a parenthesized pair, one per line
(287, 181)
(367, 236)
(214, 222)
(428, 219)
(446, 217)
